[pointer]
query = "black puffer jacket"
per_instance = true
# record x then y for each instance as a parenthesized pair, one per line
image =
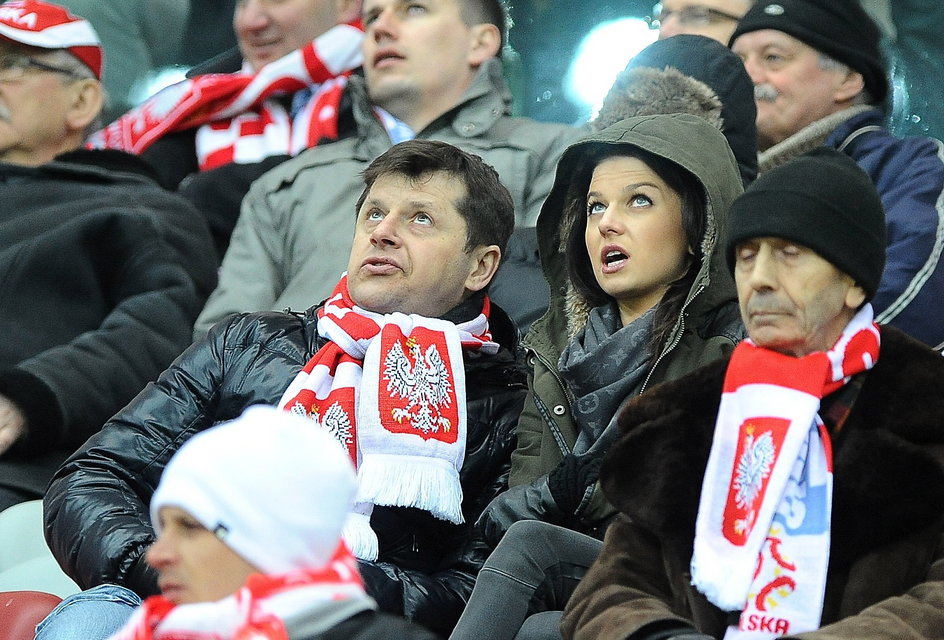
(96, 509)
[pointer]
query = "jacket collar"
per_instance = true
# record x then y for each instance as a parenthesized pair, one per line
(487, 100)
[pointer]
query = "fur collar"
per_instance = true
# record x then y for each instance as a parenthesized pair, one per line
(889, 477)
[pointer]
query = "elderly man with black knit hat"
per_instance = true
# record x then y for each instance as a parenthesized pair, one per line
(819, 79)
(796, 488)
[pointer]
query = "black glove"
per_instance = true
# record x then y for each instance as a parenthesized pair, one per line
(568, 482)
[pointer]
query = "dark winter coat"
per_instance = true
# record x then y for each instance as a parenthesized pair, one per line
(96, 509)
(103, 276)
(886, 567)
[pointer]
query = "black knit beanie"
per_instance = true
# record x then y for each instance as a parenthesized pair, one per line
(839, 28)
(822, 200)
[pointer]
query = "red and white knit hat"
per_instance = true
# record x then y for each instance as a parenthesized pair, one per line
(49, 26)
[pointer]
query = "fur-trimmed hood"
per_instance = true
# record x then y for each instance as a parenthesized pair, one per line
(689, 141)
(888, 471)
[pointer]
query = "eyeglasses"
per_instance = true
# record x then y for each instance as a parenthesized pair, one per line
(13, 66)
(695, 15)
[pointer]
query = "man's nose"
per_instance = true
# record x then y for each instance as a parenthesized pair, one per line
(763, 273)
(160, 554)
(386, 232)
(754, 70)
(252, 15)
(384, 24)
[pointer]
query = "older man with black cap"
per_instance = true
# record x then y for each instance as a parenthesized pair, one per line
(819, 79)
(796, 489)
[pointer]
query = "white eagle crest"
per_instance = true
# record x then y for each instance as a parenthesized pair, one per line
(425, 384)
(338, 424)
(335, 420)
(753, 467)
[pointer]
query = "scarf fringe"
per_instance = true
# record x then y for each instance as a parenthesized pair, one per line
(430, 484)
(360, 538)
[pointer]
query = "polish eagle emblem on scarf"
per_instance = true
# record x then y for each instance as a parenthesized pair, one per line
(334, 419)
(759, 443)
(419, 378)
(754, 465)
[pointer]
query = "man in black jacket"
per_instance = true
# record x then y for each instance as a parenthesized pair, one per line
(430, 229)
(103, 271)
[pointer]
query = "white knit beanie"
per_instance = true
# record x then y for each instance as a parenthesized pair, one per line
(272, 486)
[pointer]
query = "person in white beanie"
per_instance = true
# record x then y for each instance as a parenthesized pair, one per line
(249, 539)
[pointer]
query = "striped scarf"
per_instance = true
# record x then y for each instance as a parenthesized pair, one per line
(258, 610)
(763, 528)
(236, 118)
(391, 388)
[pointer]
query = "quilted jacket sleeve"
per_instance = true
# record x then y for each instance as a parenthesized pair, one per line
(96, 508)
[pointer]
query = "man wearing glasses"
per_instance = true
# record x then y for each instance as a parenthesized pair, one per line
(103, 271)
(712, 18)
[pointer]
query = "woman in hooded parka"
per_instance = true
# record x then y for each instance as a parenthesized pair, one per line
(639, 295)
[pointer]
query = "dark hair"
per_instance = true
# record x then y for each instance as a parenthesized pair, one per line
(486, 12)
(486, 207)
(694, 217)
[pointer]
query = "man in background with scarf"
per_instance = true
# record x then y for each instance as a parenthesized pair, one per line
(282, 99)
(407, 364)
(796, 489)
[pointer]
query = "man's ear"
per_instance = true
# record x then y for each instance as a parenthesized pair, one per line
(855, 296)
(852, 85)
(348, 10)
(87, 99)
(485, 44)
(487, 258)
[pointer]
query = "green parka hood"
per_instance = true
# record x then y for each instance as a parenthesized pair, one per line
(688, 141)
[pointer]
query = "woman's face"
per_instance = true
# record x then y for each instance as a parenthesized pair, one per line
(634, 234)
(192, 564)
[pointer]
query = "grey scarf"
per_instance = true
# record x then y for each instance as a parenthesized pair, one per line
(603, 366)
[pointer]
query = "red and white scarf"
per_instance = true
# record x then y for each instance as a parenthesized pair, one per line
(391, 388)
(237, 120)
(258, 610)
(763, 528)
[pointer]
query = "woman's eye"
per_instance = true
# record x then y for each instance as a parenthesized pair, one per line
(641, 201)
(594, 208)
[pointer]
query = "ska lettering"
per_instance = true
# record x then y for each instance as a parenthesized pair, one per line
(767, 624)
